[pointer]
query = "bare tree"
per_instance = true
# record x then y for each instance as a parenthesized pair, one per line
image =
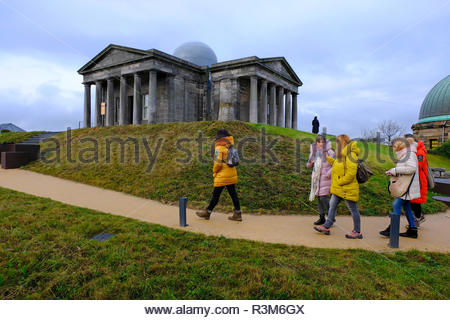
(390, 129)
(371, 135)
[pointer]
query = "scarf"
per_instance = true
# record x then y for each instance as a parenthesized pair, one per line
(315, 177)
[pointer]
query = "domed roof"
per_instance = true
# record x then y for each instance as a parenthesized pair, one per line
(436, 105)
(196, 52)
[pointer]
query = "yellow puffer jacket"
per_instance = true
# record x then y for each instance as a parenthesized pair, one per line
(343, 176)
(223, 174)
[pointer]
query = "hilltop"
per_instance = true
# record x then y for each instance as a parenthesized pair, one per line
(167, 161)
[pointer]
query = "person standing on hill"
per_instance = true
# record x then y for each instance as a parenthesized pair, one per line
(344, 185)
(321, 175)
(224, 176)
(416, 206)
(315, 125)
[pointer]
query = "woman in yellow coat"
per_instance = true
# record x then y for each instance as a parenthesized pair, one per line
(224, 176)
(344, 185)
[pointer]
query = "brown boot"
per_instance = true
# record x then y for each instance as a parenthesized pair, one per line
(205, 214)
(236, 216)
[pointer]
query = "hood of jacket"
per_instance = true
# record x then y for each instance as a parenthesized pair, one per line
(421, 147)
(225, 141)
(351, 147)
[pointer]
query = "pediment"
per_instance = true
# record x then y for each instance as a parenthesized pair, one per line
(112, 55)
(280, 66)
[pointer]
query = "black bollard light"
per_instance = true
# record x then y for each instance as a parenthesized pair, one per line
(183, 202)
(394, 231)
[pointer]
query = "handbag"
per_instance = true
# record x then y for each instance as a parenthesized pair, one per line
(399, 185)
(363, 173)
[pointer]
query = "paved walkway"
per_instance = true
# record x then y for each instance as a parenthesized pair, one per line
(434, 235)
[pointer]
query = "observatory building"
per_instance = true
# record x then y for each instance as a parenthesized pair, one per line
(134, 86)
(434, 116)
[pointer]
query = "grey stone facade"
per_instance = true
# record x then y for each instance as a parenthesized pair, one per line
(150, 86)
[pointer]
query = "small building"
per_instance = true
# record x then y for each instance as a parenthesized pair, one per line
(10, 127)
(134, 86)
(434, 117)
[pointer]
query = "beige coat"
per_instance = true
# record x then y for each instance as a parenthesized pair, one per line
(408, 165)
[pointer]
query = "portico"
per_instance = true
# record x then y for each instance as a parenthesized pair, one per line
(150, 86)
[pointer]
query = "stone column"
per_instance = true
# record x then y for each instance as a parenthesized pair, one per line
(288, 110)
(235, 97)
(137, 100)
(226, 110)
(179, 112)
(171, 97)
(262, 112)
(98, 101)
(214, 101)
(272, 105)
(87, 105)
(253, 99)
(294, 111)
(123, 119)
(280, 108)
(110, 102)
(188, 111)
(152, 97)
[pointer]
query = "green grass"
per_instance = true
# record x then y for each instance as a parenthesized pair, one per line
(16, 137)
(279, 185)
(45, 253)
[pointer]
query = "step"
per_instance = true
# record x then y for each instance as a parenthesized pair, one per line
(37, 139)
(445, 200)
(442, 186)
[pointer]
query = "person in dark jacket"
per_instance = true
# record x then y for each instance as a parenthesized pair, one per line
(315, 125)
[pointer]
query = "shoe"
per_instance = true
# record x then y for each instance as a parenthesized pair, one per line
(205, 214)
(354, 235)
(320, 221)
(410, 233)
(420, 220)
(386, 232)
(237, 216)
(323, 230)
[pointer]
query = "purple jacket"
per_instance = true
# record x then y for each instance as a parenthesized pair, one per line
(325, 173)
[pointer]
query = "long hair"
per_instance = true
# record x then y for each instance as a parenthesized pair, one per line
(341, 142)
(400, 143)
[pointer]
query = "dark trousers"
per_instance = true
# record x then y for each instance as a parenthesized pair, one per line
(416, 209)
(324, 205)
(216, 196)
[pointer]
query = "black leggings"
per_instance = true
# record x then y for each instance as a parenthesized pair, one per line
(216, 195)
(417, 209)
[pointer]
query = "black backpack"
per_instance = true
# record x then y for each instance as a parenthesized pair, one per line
(363, 172)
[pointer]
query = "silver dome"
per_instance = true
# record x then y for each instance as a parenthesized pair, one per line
(196, 52)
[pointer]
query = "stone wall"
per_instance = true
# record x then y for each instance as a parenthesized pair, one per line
(431, 130)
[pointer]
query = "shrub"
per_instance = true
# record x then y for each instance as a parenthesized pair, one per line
(443, 150)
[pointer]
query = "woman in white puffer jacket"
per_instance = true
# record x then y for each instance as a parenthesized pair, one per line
(405, 150)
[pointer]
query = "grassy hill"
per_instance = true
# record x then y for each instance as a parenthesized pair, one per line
(168, 161)
(16, 137)
(45, 253)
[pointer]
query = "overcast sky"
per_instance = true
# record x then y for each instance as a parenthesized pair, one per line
(360, 62)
